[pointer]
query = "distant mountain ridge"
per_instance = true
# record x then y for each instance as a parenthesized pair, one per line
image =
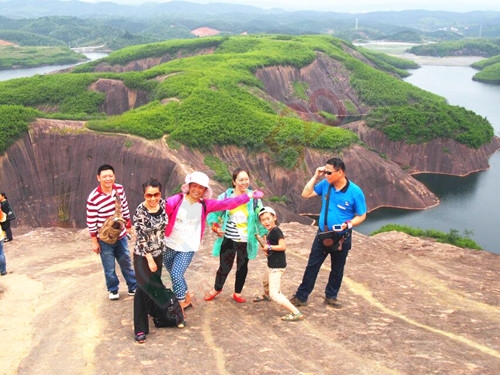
(407, 25)
(37, 8)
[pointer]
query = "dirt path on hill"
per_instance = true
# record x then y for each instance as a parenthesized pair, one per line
(410, 307)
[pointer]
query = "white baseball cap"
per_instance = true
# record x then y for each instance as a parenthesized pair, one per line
(265, 209)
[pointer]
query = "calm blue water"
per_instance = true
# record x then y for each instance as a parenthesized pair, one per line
(468, 204)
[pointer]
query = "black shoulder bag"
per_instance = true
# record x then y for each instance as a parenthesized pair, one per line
(329, 238)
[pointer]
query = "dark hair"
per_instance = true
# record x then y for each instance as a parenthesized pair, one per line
(153, 182)
(337, 163)
(237, 171)
(105, 167)
(3, 195)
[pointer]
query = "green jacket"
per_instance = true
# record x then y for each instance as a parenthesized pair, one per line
(254, 225)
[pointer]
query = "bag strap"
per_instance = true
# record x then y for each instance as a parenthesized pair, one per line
(325, 224)
(118, 204)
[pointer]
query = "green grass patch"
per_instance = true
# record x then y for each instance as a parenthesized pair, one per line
(222, 173)
(29, 57)
(14, 121)
(452, 237)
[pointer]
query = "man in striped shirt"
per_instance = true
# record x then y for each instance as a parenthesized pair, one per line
(101, 205)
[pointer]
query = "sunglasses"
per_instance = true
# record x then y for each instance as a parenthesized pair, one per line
(150, 196)
(328, 173)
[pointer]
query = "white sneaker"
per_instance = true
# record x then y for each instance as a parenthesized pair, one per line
(113, 296)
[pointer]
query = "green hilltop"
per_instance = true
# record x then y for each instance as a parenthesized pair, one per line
(201, 100)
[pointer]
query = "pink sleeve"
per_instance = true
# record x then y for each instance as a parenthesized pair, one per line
(226, 204)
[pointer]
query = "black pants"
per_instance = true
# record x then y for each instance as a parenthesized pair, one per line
(6, 229)
(143, 303)
(228, 251)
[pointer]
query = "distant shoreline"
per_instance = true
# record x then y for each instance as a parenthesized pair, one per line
(398, 49)
(441, 61)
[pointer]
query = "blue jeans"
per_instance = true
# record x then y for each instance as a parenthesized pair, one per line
(3, 262)
(176, 263)
(316, 259)
(121, 253)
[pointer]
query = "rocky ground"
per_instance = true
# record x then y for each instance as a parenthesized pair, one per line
(411, 306)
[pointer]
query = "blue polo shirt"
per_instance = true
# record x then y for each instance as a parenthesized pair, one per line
(344, 204)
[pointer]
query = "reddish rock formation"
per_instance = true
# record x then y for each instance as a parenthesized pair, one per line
(442, 156)
(119, 98)
(52, 170)
(326, 84)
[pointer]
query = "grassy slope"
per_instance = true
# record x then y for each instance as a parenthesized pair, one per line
(214, 99)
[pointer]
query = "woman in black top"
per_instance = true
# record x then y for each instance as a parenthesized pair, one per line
(6, 224)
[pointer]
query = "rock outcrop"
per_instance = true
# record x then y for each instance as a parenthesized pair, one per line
(410, 306)
(53, 169)
(326, 87)
(119, 98)
(443, 156)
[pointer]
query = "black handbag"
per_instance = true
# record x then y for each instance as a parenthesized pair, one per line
(329, 238)
(11, 215)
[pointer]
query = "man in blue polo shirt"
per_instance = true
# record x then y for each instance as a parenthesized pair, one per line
(343, 207)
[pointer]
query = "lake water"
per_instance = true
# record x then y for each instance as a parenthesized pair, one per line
(19, 73)
(468, 204)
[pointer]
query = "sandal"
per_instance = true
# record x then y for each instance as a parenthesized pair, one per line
(293, 317)
(262, 297)
(212, 294)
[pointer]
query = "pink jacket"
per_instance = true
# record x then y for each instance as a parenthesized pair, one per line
(173, 203)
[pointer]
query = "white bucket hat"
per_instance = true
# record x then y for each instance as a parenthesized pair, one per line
(199, 178)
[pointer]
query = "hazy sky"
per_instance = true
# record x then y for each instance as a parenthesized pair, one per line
(347, 5)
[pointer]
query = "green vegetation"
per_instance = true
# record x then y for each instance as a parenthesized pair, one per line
(28, 57)
(222, 174)
(490, 70)
(300, 89)
(64, 93)
(282, 199)
(463, 47)
(490, 74)
(14, 120)
(213, 101)
(214, 97)
(420, 123)
(482, 64)
(330, 118)
(23, 39)
(452, 238)
(391, 64)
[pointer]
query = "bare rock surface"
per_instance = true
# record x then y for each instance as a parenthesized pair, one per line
(410, 306)
(52, 169)
(428, 157)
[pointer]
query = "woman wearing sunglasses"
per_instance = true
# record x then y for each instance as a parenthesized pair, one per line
(150, 220)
